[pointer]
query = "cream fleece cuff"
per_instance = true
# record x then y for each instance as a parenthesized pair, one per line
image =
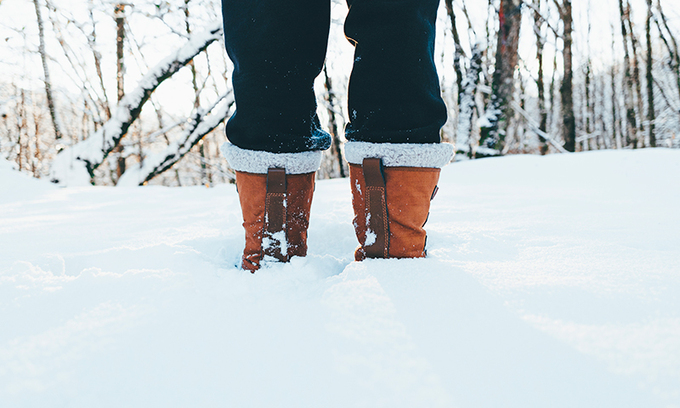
(258, 162)
(435, 155)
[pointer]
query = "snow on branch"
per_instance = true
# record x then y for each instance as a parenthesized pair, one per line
(467, 104)
(75, 165)
(202, 122)
(536, 129)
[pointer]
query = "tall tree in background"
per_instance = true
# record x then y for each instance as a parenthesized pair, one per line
(467, 105)
(206, 176)
(333, 108)
(588, 94)
(607, 101)
(671, 44)
(458, 52)
(637, 83)
(466, 84)
(616, 128)
(96, 56)
(493, 129)
(119, 16)
(46, 70)
(540, 82)
(631, 120)
(567, 86)
(650, 78)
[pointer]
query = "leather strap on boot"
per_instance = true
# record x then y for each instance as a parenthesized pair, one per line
(274, 241)
(377, 225)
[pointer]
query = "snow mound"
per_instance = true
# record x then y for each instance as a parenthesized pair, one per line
(550, 281)
(15, 185)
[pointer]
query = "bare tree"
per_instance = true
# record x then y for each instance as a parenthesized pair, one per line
(540, 82)
(96, 55)
(637, 83)
(119, 16)
(46, 70)
(631, 120)
(650, 78)
(206, 176)
(672, 65)
(494, 126)
(202, 122)
(458, 54)
(333, 109)
(77, 163)
(588, 107)
(567, 86)
(467, 104)
(671, 44)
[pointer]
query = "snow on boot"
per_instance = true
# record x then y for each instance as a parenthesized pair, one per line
(275, 192)
(275, 209)
(392, 186)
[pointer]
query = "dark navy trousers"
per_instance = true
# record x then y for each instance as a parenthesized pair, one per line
(278, 48)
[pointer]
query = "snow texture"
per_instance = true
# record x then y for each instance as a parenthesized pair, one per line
(487, 151)
(258, 162)
(370, 238)
(550, 281)
(275, 240)
(402, 154)
(73, 165)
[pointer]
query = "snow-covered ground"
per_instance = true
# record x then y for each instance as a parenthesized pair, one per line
(550, 282)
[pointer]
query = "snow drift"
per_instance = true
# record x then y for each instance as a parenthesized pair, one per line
(550, 281)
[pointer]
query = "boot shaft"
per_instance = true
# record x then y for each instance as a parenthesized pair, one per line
(389, 218)
(276, 208)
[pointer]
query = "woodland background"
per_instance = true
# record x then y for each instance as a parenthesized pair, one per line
(138, 93)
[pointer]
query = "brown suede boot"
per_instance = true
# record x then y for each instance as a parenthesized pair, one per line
(275, 210)
(391, 206)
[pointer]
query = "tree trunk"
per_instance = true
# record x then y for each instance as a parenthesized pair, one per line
(631, 123)
(21, 125)
(336, 150)
(46, 70)
(540, 82)
(458, 54)
(601, 112)
(467, 105)
(616, 129)
(494, 127)
(551, 93)
(119, 14)
(636, 81)
(588, 106)
(566, 89)
(650, 79)
(671, 45)
(92, 42)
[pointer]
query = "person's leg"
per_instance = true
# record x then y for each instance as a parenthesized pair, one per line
(275, 139)
(278, 49)
(396, 113)
(394, 94)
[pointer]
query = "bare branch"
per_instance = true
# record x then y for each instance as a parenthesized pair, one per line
(201, 123)
(542, 18)
(76, 164)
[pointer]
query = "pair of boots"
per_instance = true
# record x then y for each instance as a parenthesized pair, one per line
(392, 186)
